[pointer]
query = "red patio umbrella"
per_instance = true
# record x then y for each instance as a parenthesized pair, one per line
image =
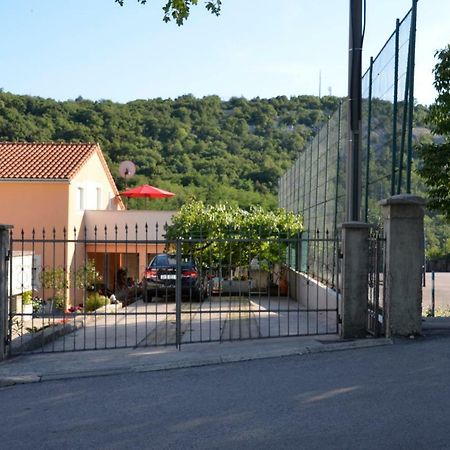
(146, 191)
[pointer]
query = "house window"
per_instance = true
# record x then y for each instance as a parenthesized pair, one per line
(80, 200)
(99, 197)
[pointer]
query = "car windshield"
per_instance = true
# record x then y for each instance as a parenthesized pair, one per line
(171, 261)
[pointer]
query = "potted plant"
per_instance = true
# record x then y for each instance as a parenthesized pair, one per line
(87, 279)
(55, 280)
(59, 303)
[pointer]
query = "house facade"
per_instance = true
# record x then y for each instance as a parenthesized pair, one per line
(50, 185)
(55, 195)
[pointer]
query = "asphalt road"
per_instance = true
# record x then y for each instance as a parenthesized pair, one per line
(392, 397)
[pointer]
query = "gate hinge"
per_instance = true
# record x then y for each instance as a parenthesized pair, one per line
(8, 255)
(339, 318)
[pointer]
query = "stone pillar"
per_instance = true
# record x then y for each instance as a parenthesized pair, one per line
(355, 267)
(403, 225)
(4, 280)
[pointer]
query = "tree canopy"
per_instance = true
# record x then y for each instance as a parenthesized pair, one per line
(179, 10)
(435, 166)
(204, 148)
(227, 234)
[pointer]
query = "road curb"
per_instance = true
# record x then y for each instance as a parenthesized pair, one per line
(25, 379)
(38, 339)
(318, 347)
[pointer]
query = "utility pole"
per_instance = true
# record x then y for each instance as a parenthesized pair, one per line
(320, 84)
(353, 185)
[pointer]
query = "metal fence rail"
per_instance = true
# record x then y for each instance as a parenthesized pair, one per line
(315, 186)
(436, 293)
(95, 289)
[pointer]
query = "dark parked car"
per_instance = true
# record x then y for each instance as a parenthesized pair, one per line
(161, 276)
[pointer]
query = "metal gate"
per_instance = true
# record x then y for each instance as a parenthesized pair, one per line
(376, 284)
(102, 289)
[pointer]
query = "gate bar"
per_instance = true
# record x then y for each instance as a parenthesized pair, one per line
(5, 258)
(178, 297)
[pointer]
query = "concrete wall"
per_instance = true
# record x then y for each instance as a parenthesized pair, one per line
(143, 250)
(131, 218)
(310, 292)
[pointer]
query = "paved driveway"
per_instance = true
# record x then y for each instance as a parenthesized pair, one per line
(216, 319)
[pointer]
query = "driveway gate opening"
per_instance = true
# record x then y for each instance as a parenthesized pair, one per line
(109, 289)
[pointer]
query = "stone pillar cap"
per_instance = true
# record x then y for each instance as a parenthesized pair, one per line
(403, 199)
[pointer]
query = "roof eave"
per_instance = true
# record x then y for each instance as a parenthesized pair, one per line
(34, 180)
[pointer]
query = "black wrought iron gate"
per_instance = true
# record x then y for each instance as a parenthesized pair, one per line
(376, 284)
(93, 292)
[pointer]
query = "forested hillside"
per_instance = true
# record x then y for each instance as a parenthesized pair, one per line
(206, 148)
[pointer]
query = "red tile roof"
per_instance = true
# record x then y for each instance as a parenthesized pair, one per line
(51, 161)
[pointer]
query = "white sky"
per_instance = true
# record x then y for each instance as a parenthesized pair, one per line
(255, 48)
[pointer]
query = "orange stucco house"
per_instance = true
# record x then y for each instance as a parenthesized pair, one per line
(55, 195)
(51, 185)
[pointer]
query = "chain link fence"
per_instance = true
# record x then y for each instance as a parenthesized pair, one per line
(315, 185)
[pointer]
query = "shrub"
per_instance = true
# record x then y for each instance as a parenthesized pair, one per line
(59, 301)
(95, 301)
(55, 279)
(86, 277)
(27, 297)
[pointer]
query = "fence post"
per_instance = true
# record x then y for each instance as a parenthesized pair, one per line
(178, 295)
(433, 294)
(355, 269)
(403, 225)
(4, 257)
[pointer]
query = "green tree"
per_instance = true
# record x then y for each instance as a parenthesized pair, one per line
(179, 10)
(227, 234)
(216, 151)
(435, 167)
